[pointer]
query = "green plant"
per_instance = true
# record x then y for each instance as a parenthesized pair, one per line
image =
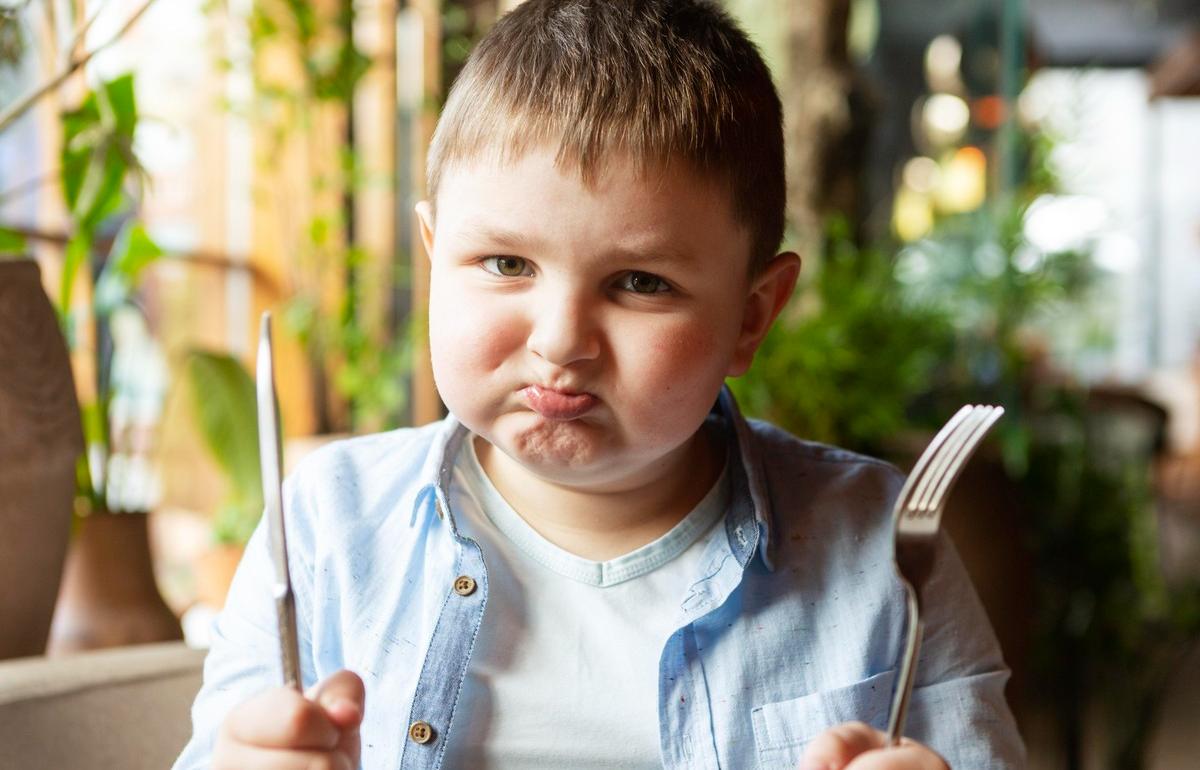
(1109, 631)
(101, 181)
(850, 354)
(1007, 300)
(357, 369)
(224, 404)
(1109, 628)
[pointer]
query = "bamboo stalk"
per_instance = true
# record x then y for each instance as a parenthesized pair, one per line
(426, 405)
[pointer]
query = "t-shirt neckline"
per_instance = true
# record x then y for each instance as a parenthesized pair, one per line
(638, 562)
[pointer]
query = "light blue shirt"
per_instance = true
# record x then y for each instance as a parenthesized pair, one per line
(794, 622)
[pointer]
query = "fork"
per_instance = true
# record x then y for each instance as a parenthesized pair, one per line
(918, 516)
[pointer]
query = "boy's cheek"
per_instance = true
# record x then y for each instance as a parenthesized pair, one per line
(688, 355)
(468, 346)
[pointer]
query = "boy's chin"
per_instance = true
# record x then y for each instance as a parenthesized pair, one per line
(561, 450)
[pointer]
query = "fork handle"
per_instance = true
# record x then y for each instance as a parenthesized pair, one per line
(908, 668)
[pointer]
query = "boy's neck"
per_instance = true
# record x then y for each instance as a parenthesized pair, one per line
(600, 526)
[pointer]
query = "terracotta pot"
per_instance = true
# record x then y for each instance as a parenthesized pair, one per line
(214, 574)
(40, 440)
(108, 596)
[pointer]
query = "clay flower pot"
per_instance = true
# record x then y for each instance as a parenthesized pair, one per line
(109, 597)
(40, 441)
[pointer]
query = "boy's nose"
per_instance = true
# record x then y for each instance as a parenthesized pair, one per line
(563, 332)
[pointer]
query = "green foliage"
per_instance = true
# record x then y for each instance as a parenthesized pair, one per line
(331, 64)
(101, 181)
(12, 244)
(97, 155)
(1109, 630)
(224, 404)
(1004, 297)
(344, 357)
(1109, 627)
(371, 375)
(132, 252)
(849, 356)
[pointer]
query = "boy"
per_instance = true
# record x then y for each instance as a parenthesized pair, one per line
(588, 564)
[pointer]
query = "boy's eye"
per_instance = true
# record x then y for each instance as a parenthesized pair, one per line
(507, 266)
(644, 283)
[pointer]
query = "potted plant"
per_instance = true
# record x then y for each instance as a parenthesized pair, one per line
(108, 595)
(39, 445)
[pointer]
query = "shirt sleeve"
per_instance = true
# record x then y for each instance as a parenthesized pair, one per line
(958, 707)
(244, 658)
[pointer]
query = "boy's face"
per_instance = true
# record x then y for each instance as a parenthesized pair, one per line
(586, 331)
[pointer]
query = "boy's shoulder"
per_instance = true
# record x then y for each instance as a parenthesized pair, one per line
(352, 475)
(396, 451)
(814, 487)
(777, 449)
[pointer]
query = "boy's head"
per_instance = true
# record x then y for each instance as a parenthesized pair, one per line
(608, 179)
(661, 81)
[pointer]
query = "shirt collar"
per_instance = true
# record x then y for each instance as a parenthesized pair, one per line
(748, 524)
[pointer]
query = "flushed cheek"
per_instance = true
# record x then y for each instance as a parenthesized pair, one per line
(470, 342)
(681, 366)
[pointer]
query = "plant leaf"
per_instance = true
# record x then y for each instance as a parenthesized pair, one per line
(97, 139)
(76, 255)
(223, 399)
(11, 243)
(133, 250)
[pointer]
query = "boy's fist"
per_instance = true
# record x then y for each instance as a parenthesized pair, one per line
(280, 729)
(856, 746)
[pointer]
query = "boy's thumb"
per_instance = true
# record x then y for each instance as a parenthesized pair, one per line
(343, 696)
(837, 746)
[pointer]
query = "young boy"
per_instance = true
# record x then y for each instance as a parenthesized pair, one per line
(589, 564)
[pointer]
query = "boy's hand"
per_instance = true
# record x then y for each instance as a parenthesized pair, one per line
(281, 729)
(856, 746)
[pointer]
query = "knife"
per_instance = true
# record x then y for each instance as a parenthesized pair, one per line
(271, 458)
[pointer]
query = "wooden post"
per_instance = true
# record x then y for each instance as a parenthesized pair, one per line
(426, 406)
(375, 144)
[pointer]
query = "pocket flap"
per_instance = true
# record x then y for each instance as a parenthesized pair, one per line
(795, 722)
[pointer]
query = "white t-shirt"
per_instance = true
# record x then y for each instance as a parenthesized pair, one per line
(565, 669)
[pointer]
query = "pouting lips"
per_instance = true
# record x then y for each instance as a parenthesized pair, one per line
(557, 404)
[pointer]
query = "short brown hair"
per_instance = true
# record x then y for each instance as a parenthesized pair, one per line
(658, 79)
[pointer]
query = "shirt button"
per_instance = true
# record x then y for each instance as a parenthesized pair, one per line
(420, 732)
(464, 586)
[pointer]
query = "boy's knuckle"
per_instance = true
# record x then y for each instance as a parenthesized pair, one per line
(321, 762)
(298, 722)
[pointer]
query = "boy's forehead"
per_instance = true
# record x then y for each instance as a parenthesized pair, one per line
(663, 214)
(546, 165)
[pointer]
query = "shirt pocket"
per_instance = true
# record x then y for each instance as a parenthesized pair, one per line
(784, 728)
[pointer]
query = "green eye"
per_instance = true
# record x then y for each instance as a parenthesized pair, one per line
(507, 266)
(645, 283)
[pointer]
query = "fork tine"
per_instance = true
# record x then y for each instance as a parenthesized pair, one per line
(989, 418)
(937, 465)
(930, 451)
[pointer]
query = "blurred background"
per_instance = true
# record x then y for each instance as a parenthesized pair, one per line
(996, 201)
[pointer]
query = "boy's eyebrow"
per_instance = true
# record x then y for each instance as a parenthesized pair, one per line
(517, 241)
(655, 253)
(509, 239)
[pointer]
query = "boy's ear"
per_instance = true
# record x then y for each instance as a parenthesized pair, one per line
(425, 221)
(770, 290)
